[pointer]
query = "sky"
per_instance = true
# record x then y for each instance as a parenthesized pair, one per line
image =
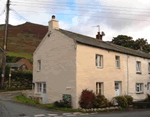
(115, 17)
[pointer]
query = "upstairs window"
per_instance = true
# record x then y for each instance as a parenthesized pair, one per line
(138, 67)
(39, 65)
(117, 61)
(99, 61)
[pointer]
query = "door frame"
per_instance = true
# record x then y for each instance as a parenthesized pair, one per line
(120, 87)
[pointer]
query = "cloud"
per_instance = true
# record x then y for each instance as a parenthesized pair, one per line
(115, 17)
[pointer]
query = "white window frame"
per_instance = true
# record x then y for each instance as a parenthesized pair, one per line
(140, 86)
(117, 62)
(100, 88)
(99, 61)
(38, 65)
(138, 66)
(149, 67)
(40, 87)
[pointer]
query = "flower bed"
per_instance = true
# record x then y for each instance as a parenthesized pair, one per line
(100, 109)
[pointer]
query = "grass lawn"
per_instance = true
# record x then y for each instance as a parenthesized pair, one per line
(22, 99)
(25, 55)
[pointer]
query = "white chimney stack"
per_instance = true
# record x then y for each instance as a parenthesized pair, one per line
(53, 23)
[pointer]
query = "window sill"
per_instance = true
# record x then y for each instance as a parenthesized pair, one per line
(118, 68)
(38, 93)
(138, 73)
(38, 70)
(139, 92)
(99, 67)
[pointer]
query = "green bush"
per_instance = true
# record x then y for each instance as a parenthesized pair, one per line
(101, 101)
(147, 99)
(62, 103)
(87, 99)
(21, 74)
(129, 99)
(122, 101)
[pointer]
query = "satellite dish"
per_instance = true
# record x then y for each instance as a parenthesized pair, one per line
(103, 34)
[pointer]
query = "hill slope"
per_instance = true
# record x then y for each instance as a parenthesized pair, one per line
(23, 38)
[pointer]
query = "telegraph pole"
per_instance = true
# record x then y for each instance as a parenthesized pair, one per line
(5, 44)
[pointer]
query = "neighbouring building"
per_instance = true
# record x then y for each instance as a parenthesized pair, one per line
(19, 66)
(66, 63)
(27, 64)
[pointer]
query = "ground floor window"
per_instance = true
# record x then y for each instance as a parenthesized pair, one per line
(139, 87)
(41, 87)
(99, 88)
(148, 86)
(44, 87)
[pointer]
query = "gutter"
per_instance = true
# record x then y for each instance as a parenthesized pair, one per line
(127, 76)
(114, 50)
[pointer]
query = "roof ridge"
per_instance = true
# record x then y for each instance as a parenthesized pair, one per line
(87, 40)
(79, 34)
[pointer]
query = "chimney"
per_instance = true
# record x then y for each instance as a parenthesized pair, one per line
(53, 23)
(99, 36)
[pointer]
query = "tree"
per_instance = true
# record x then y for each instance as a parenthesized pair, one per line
(142, 44)
(127, 41)
(123, 40)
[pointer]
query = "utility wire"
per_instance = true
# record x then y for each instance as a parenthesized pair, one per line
(99, 17)
(19, 15)
(102, 11)
(76, 4)
(78, 9)
(3, 11)
(81, 7)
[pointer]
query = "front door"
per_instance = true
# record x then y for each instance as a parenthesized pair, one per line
(118, 88)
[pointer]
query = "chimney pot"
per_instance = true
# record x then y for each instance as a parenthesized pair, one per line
(53, 23)
(53, 16)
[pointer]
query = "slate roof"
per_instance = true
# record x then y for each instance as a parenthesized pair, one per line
(90, 41)
(18, 64)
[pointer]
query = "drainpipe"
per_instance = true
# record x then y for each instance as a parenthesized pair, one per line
(127, 76)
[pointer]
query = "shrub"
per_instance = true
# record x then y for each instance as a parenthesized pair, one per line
(62, 103)
(87, 99)
(129, 99)
(122, 101)
(101, 101)
(147, 99)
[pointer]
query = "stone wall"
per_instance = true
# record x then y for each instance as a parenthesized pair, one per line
(19, 83)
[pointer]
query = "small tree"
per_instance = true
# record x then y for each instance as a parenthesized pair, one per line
(87, 99)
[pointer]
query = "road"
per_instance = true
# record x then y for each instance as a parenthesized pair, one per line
(9, 108)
